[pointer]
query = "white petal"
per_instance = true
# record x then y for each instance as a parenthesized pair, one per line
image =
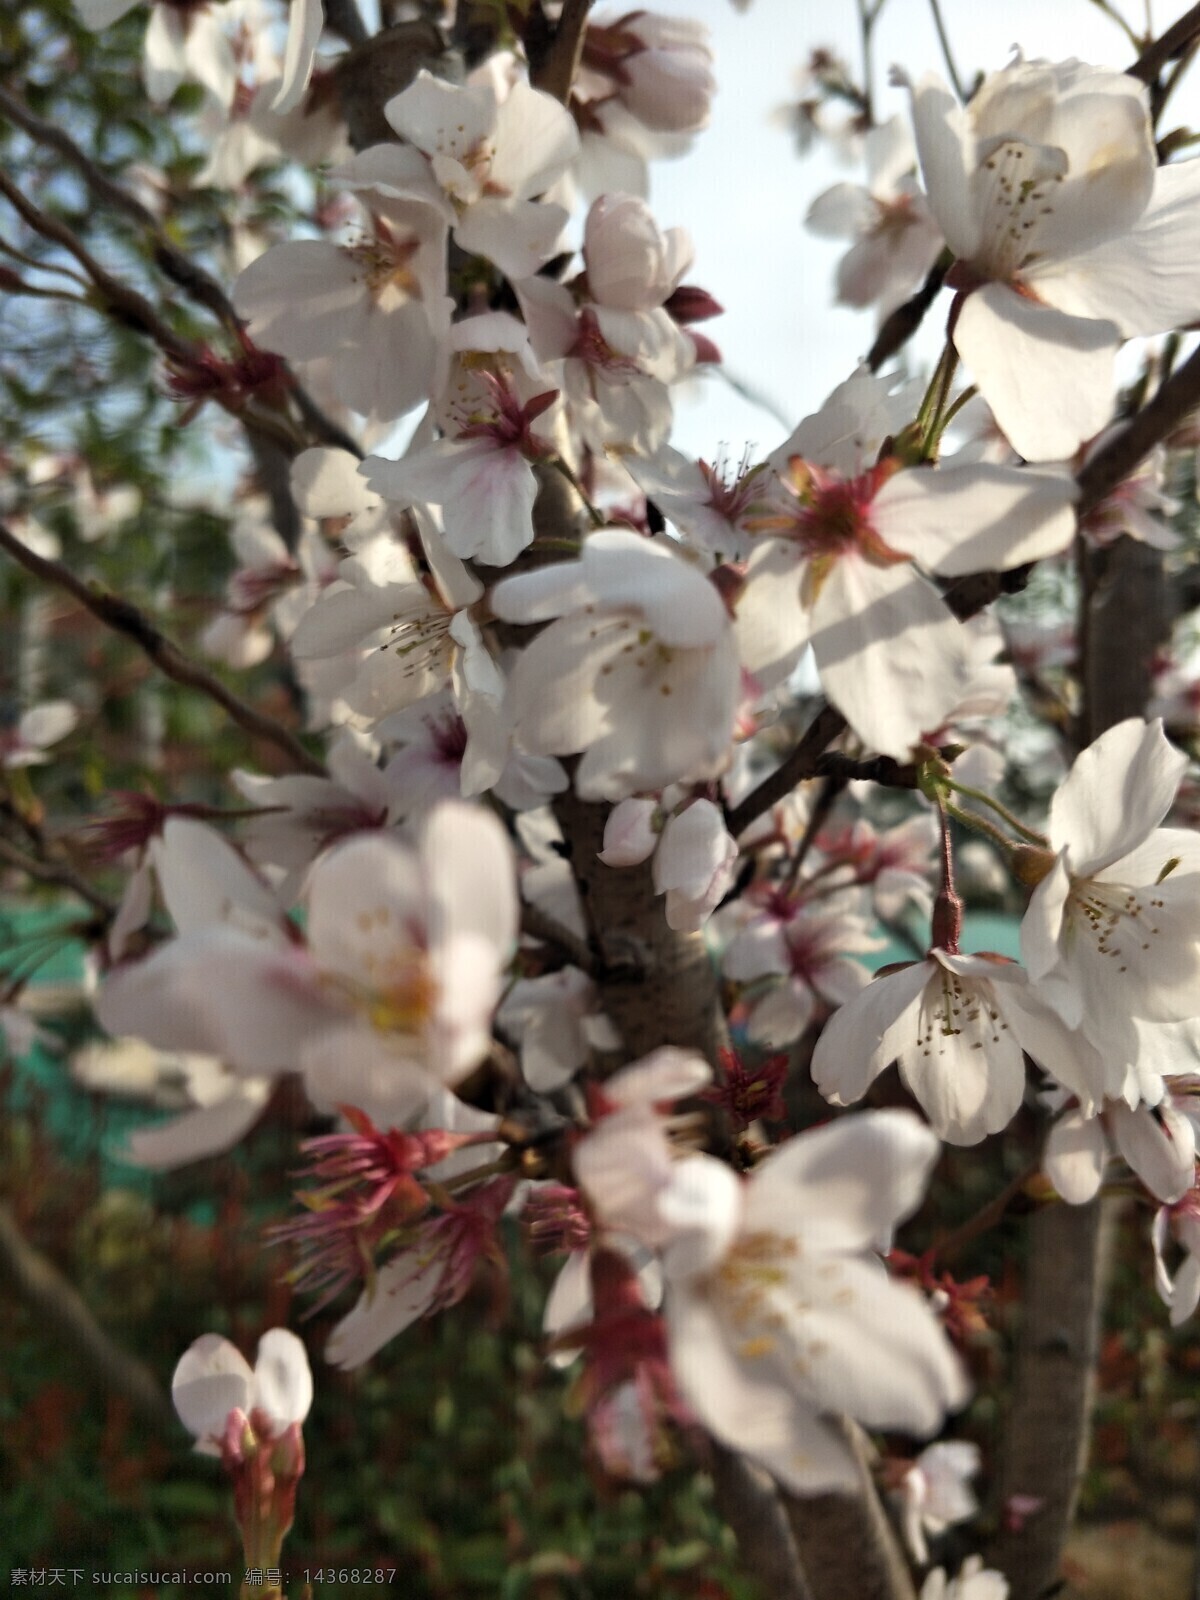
(850, 1182)
(205, 1131)
(205, 882)
(211, 1380)
(1159, 1145)
(889, 652)
(282, 1378)
(1048, 377)
(955, 520)
(856, 1044)
(404, 1291)
(1118, 790)
(306, 19)
(946, 147)
(1076, 1150)
(749, 1412)
(471, 877)
(1144, 279)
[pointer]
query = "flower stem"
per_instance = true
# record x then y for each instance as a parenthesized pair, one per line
(1001, 810)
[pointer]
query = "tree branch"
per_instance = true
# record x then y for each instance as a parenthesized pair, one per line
(344, 18)
(1174, 401)
(847, 1545)
(749, 1503)
(124, 618)
(801, 764)
(63, 1316)
(1172, 43)
(172, 262)
(58, 872)
(555, 72)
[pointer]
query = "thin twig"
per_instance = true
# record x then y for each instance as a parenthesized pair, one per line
(172, 262)
(947, 53)
(125, 618)
(182, 271)
(62, 1315)
(801, 764)
(58, 872)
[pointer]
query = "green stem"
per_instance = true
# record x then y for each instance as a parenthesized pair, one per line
(1001, 810)
(979, 824)
(561, 466)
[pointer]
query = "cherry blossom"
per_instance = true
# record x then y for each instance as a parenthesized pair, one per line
(27, 744)
(489, 159)
(1069, 238)
(812, 948)
(1112, 931)
(1156, 1140)
(779, 1314)
(490, 393)
(974, 1582)
(895, 239)
(389, 994)
(957, 1025)
(1180, 1221)
(935, 1492)
(638, 670)
(838, 570)
(372, 310)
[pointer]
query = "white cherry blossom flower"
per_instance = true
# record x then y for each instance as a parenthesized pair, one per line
(631, 265)
(895, 239)
(839, 571)
(638, 671)
(1069, 238)
(936, 1492)
(974, 1582)
(1180, 1221)
(811, 948)
(1112, 932)
(372, 310)
(27, 744)
(481, 473)
(389, 992)
(957, 1025)
(490, 158)
(779, 1314)
(1158, 1142)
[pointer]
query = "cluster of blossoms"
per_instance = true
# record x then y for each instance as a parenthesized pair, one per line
(542, 606)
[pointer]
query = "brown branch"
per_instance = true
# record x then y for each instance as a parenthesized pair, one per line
(801, 764)
(847, 1545)
(62, 1316)
(58, 872)
(181, 269)
(904, 321)
(748, 1501)
(344, 18)
(172, 262)
(1172, 43)
(1110, 466)
(555, 71)
(124, 618)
